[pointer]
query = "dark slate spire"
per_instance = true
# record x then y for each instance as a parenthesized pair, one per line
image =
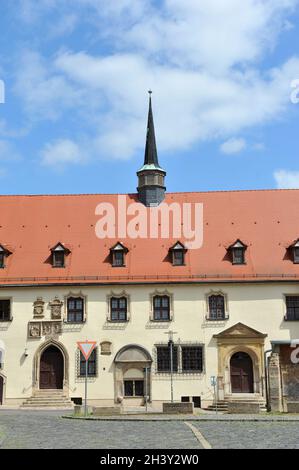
(151, 189)
(150, 155)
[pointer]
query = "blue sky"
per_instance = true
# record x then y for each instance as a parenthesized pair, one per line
(76, 76)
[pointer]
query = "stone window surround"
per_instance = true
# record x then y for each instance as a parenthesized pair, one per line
(226, 311)
(118, 296)
(76, 295)
(171, 308)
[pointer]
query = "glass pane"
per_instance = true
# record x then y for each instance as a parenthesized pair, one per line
(122, 303)
(165, 301)
(139, 388)
(157, 301)
(192, 358)
(114, 303)
(129, 388)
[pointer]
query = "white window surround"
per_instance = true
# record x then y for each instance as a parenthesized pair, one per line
(224, 295)
(76, 295)
(118, 296)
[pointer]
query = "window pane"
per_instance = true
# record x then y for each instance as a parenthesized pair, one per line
(129, 388)
(163, 358)
(139, 388)
(157, 301)
(216, 307)
(238, 255)
(1, 260)
(192, 358)
(91, 365)
(292, 307)
(165, 301)
(5, 310)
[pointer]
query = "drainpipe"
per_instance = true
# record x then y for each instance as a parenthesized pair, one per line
(266, 379)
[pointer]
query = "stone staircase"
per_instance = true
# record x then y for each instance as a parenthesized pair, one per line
(48, 399)
(222, 405)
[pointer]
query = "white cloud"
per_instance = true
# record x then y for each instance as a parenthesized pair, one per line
(233, 145)
(287, 179)
(202, 59)
(61, 153)
(8, 152)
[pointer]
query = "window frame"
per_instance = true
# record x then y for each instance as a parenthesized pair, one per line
(216, 317)
(118, 309)
(2, 317)
(179, 367)
(161, 308)
(287, 316)
(118, 248)
(93, 363)
(240, 246)
(75, 298)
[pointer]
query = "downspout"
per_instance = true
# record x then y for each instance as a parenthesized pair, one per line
(266, 379)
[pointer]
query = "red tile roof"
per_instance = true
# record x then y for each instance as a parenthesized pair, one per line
(266, 221)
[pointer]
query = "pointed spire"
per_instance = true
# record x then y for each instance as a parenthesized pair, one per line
(150, 155)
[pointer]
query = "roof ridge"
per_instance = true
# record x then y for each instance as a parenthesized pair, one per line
(167, 193)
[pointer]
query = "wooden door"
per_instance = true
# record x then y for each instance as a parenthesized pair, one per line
(51, 369)
(241, 373)
(1, 389)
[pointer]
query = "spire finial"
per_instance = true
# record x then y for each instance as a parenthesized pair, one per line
(150, 92)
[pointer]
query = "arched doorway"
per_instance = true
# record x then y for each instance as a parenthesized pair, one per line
(51, 369)
(241, 372)
(1, 389)
(132, 375)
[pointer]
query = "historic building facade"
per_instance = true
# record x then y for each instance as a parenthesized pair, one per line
(230, 301)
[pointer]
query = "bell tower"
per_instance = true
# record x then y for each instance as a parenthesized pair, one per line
(151, 189)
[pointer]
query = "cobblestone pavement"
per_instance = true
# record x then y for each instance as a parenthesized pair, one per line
(250, 435)
(47, 430)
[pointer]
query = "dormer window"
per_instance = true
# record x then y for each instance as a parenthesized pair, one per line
(237, 251)
(295, 252)
(59, 252)
(178, 254)
(118, 253)
(3, 254)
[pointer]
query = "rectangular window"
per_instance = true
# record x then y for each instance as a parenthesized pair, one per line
(58, 259)
(118, 308)
(75, 310)
(163, 358)
(296, 254)
(161, 308)
(91, 365)
(292, 303)
(5, 310)
(2, 257)
(192, 358)
(238, 256)
(118, 258)
(134, 388)
(178, 258)
(216, 307)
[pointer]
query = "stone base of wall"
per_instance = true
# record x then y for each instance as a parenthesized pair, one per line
(293, 406)
(243, 408)
(178, 408)
(106, 410)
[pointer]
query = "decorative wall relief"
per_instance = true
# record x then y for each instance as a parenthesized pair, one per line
(105, 348)
(56, 306)
(34, 329)
(38, 308)
(44, 328)
(51, 328)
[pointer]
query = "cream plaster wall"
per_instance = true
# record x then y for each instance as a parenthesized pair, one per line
(260, 306)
